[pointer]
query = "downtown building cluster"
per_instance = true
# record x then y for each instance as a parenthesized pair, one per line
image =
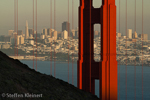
(50, 40)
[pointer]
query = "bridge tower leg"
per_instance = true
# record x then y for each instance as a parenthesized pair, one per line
(106, 69)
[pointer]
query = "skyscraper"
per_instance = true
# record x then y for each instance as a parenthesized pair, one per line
(65, 26)
(118, 35)
(76, 34)
(21, 40)
(26, 31)
(134, 35)
(143, 37)
(20, 32)
(129, 34)
(49, 31)
(55, 35)
(30, 32)
(10, 32)
(65, 34)
(15, 34)
(44, 31)
(73, 32)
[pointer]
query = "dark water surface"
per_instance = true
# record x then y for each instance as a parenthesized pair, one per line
(62, 73)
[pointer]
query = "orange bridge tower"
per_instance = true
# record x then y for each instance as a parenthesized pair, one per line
(106, 69)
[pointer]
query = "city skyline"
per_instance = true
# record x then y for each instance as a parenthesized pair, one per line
(46, 31)
(25, 13)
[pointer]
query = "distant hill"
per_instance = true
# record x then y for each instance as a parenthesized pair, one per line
(17, 79)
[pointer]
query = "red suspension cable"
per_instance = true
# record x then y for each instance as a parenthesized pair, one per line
(16, 36)
(126, 50)
(135, 56)
(68, 40)
(54, 39)
(72, 37)
(36, 35)
(15, 27)
(142, 49)
(33, 34)
(90, 40)
(51, 37)
(119, 50)
(17, 30)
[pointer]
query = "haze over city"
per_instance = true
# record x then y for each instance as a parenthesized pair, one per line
(25, 9)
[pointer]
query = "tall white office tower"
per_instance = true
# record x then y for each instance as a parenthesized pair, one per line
(26, 31)
(65, 34)
(10, 32)
(118, 35)
(55, 35)
(129, 35)
(20, 40)
(134, 35)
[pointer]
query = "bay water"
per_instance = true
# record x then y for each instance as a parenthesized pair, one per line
(62, 73)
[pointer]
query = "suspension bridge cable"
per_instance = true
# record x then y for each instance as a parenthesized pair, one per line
(14, 27)
(50, 31)
(72, 38)
(135, 55)
(33, 34)
(68, 40)
(126, 50)
(54, 39)
(119, 49)
(142, 49)
(36, 35)
(90, 41)
(17, 30)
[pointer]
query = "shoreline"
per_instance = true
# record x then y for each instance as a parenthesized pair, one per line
(75, 62)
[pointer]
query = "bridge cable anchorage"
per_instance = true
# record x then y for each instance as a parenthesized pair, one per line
(33, 34)
(36, 35)
(50, 32)
(119, 50)
(68, 40)
(126, 49)
(54, 39)
(135, 56)
(72, 38)
(142, 49)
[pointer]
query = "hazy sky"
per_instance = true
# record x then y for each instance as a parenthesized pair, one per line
(25, 9)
